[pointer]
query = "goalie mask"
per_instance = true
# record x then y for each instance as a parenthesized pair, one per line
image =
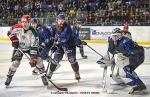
(116, 34)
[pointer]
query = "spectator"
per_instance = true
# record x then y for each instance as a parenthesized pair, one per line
(109, 11)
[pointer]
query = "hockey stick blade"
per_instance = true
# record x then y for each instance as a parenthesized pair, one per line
(61, 89)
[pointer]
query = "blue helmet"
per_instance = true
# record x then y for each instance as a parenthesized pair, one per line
(35, 21)
(61, 16)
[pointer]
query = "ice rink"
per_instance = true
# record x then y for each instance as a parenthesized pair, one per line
(24, 84)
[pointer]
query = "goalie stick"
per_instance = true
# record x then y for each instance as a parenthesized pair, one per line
(104, 89)
(104, 77)
(95, 51)
(104, 73)
(61, 89)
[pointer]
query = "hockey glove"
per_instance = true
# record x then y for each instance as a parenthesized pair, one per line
(78, 43)
(33, 61)
(46, 43)
(104, 62)
(58, 44)
(83, 43)
(14, 40)
(43, 45)
(53, 49)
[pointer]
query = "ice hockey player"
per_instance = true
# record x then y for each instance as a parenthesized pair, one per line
(116, 76)
(65, 43)
(130, 56)
(45, 42)
(125, 31)
(25, 38)
(76, 29)
(116, 70)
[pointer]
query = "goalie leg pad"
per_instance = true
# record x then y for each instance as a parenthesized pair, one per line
(121, 60)
(116, 77)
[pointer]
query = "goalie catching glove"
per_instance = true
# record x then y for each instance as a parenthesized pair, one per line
(104, 62)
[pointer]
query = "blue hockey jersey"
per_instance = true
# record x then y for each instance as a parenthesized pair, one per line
(63, 36)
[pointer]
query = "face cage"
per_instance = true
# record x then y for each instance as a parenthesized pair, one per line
(116, 37)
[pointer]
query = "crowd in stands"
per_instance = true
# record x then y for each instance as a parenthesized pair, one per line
(90, 12)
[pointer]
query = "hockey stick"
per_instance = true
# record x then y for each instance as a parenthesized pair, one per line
(61, 89)
(95, 51)
(104, 77)
(105, 74)
(104, 89)
(105, 68)
(50, 60)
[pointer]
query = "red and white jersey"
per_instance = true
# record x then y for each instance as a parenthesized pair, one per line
(27, 38)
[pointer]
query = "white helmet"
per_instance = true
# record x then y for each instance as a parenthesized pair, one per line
(116, 34)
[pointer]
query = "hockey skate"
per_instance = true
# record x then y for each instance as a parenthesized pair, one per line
(77, 76)
(138, 89)
(44, 80)
(8, 80)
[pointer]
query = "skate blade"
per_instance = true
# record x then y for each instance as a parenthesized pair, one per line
(7, 86)
(142, 92)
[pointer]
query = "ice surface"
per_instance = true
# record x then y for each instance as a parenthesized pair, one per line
(24, 84)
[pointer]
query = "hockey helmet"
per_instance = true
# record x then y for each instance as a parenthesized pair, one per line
(26, 18)
(116, 34)
(61, 17)
(35, 21)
